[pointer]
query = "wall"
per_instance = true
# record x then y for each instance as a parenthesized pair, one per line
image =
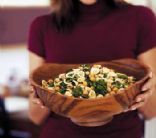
(15, 22)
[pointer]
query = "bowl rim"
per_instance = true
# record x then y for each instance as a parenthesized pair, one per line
(146, 77)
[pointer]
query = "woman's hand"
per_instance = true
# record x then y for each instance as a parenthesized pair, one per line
(34, 98)
(38, 113)
(147, 91)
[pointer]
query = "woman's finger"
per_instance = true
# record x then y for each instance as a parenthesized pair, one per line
(151, 74)
(149, 83)
(137, 105)
(36, 101)
(126, 110)
(144, 96)
(33, 92)
(43, 107)
(31, 88)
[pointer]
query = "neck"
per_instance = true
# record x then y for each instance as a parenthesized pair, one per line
(88, 2)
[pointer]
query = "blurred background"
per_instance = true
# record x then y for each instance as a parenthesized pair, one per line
(15, 19)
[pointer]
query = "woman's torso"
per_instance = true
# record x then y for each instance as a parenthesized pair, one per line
(94, 39)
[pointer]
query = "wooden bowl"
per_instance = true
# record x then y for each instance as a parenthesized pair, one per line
(90, 112)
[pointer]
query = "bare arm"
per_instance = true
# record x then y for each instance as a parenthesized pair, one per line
(37, 112)
(149, 58)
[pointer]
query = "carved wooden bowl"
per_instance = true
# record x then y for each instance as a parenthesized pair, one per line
(90, 112)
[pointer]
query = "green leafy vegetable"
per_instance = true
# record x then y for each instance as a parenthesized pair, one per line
(122, 76)
(51, 84)
(77, 91)
(86, 67)
(100, 87)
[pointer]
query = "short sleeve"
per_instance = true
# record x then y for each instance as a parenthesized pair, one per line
(146, 29)
(36, 37)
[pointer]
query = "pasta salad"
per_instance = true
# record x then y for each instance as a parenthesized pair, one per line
(89, 82)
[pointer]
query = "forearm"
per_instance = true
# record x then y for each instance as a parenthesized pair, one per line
(149, 109)
(36, 113)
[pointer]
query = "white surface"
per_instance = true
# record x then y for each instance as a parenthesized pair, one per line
(23, 3)
(150, 129)
(138, 2)
(15, 104)
(13, 59)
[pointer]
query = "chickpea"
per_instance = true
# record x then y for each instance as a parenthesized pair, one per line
(84, 83)
(100, 96)
(92, 87)
(85, 92)
(68, 93)
(92, 78)
(115, 89)
(108, 89)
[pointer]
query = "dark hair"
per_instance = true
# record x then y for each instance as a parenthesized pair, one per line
(66, 12)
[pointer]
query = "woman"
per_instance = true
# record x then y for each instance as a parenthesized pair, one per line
(82, 31)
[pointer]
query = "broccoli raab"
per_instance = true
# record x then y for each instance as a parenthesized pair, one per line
(100, 87)
(77, 91)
